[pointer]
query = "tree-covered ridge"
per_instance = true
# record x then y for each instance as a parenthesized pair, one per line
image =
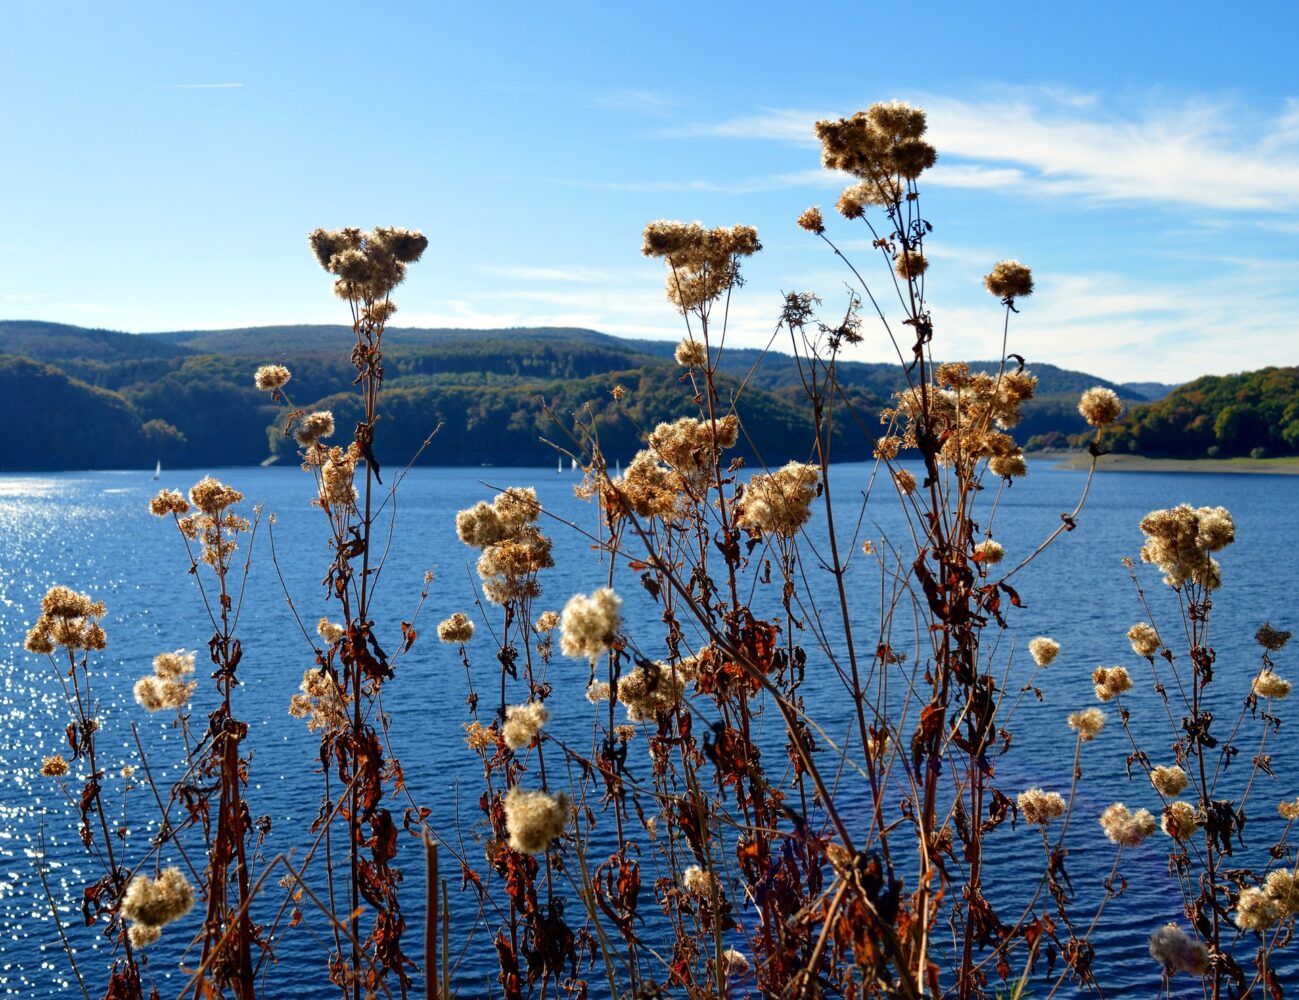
(1253, 413)
(53, 421)
(186, 398)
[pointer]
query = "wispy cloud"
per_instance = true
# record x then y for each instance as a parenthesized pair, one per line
(564, 275)
(201, 86)
(645, 102)
(1117, 325)
(1201, 152)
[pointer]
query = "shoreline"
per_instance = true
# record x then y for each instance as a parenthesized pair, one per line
(1079, 461)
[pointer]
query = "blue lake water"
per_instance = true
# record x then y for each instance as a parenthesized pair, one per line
(92, 531)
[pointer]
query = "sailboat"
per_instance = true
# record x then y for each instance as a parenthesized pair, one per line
(559, 469)
(157, 470)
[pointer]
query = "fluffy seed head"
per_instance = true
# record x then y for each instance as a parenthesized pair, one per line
(780, 502)
(157, 902)
(1282, 888)
(1044, 650)
(589, 625)
(269, 378)
(1256, 911)
(1100, 406)
(331, 632)
(523, 723)
(1179, 541)
(1110, 682)
(456, 629)
(1144, 639)
(691, 353)
(1088, 722)
(812, 221)
(1168, 781)
(1125, 828)
(315, 426)
(143, 935)
(1271, 685)
(1014, 466)
(1039, 807)
(1180, 820)
(697, 882)
(534, 819)
(1177, 951)
(1009, 280)
(173, 666)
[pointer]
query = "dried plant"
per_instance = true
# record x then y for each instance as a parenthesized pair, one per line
(714, 837)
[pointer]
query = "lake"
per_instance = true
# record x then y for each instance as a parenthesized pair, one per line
(92, 532)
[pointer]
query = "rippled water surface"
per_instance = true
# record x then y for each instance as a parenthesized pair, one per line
(92, 532)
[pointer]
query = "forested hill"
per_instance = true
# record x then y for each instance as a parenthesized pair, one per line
(1255, 414)
(103, 399)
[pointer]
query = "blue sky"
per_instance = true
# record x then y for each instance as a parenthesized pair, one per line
(165, 162)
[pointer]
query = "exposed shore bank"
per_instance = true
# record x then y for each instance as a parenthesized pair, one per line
(1288, 466)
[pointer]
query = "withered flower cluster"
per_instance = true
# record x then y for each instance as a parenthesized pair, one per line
(68, 620)
(1177, 951)
(320, 701)
(780, 502)
(588, 626)
(703, 264)
(456, 629)
(367, 266)
(211, 525)
(1127, 828)
(1179, 541)
(152, 903)
(523, 723)
(534, 819)
(969, 412)
(514, 549)
(1277, 899)
(1039, 807)
(1009, 280)
(271, 378)
(1110, 682)
(648, 689)
(883, 146)
(167, 686)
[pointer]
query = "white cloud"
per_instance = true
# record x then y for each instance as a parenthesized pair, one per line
(1123, 328)
(1198, 152)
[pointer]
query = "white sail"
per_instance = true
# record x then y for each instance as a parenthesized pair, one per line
(157, 471)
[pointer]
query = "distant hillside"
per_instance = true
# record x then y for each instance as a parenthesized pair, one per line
(1254, 413)
(1152, 391)
(53, 421)
(190, 398)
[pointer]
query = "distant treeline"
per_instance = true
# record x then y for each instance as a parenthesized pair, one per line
(79, 398)
(1254, 413)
